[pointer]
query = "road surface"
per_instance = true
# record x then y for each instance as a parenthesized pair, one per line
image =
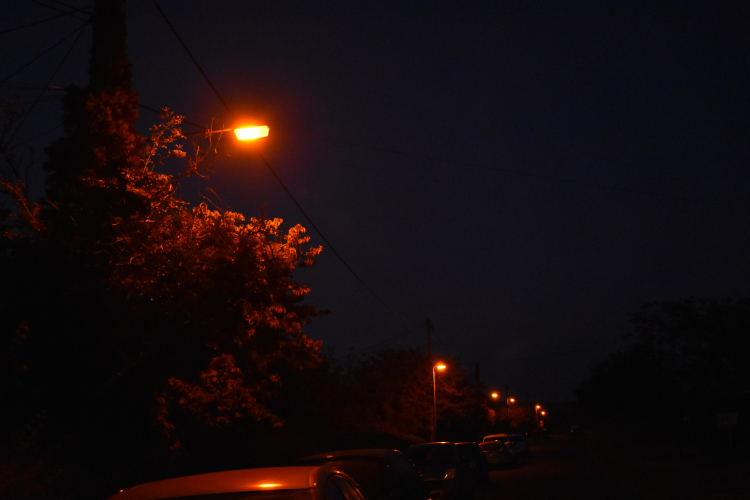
(590, 467)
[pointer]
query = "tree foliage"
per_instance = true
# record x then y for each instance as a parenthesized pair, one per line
(123, 302)
(687, 363)
(391, 392)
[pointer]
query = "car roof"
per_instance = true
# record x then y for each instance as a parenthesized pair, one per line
(446, 444)
(362, 452)
(233, 481)
(494, 436)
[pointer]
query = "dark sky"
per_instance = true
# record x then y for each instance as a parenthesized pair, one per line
(525, 174)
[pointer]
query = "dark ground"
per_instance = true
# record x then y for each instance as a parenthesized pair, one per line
(603, 466)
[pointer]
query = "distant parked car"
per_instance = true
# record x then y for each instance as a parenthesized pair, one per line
(519, 443)
(496, 437)
(381, 474)
(274, 483)
(446, 476)
(498, 453)
(472, 455)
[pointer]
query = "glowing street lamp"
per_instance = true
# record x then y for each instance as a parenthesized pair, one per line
(439, 366)
(242, 133)
(508, 402)
(536, 412)
(495, 395)
(250, 133)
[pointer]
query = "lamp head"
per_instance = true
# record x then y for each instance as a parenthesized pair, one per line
(250, 133)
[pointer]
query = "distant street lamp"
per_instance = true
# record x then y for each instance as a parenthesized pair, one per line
(536, 412)
(441, 367)
(495, 395)
(508, 402)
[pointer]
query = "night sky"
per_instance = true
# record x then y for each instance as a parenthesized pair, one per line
(525, 174)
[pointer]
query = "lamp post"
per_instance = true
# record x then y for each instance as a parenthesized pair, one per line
(508, 402)
(441, 367)
(536, 412)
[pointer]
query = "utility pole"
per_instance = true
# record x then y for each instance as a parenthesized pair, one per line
(507, 401)
(429, 342)
(109, 67)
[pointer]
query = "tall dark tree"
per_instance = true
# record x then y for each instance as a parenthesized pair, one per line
(129, 318)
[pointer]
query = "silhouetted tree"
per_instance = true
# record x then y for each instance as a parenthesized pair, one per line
(126, 313)
(688, 362)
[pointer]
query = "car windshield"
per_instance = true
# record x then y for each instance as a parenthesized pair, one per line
(494, 445)
(431, 454)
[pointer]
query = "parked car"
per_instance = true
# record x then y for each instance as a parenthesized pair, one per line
(473, 456)
(519, 443)
(380, 473)
(446, 476)
(498, 453)
(496, 437)
(274, 483)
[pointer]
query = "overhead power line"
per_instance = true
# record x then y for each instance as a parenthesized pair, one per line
(70, 12)
(54, 46)
(190, 54)
(38, 98)
(17, 28)
(536, 176)
(268, 165)
(390, 340)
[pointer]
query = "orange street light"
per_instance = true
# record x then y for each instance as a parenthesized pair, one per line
(439, 366)
(250, 133)
(242, 133)
(536, 412)
(495, 395)
(511, 400)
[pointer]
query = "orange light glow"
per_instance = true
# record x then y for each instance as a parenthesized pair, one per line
(544, 413)
(268, 485)
(495, 395)
(250, 133)
(440, 367)
(512, 400)
(537, 407)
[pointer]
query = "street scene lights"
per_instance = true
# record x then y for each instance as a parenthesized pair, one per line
(440, 367)
(495, 395)
(536, 412)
